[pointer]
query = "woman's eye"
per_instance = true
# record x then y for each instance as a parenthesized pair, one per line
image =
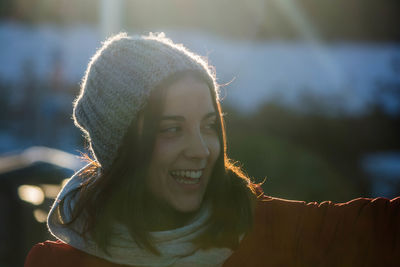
(170, 129)
(211, 126)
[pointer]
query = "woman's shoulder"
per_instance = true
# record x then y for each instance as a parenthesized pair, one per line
(49, 253)
(57, 253)
(54, 253)
(58, 247)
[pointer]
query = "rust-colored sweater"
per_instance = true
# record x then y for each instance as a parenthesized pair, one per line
(361, 232)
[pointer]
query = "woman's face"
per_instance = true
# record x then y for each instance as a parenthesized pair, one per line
(186, 146)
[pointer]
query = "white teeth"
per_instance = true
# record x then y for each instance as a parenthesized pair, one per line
(196, 175)
(187, 177)
(186, 181)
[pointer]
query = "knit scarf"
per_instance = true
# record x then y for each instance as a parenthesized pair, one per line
(175, 246)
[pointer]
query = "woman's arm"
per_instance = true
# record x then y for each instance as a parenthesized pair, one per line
(361, 232)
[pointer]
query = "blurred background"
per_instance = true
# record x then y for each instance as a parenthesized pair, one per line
(310, 89)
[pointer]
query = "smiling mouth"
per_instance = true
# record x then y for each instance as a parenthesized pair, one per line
(187, 176)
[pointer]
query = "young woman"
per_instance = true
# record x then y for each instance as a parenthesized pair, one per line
(161, 191)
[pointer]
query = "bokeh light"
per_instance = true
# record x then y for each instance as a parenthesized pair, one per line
(40, 215)
(32, 194)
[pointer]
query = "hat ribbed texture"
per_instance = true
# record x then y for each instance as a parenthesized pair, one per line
(118, 82)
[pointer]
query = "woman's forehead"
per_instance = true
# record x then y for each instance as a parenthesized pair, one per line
(188, 95)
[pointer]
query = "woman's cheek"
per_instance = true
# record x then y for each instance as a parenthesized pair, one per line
(214, 146)
(167, 146)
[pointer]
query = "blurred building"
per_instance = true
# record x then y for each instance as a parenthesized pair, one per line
(29, 183)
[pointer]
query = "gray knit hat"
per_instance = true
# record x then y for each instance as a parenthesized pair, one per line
(118, 82)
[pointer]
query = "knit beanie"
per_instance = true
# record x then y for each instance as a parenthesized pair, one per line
(118, 81)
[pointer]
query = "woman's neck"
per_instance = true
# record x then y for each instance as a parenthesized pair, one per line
(162, 217)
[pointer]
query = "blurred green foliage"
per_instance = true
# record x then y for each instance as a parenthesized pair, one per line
(290, 171)
(309, 156)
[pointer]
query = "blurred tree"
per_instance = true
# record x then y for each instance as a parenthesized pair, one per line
(6, 8)
(290, 171)
(309, 156)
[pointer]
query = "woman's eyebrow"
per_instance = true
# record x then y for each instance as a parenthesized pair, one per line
(173, 118)
(182, 118)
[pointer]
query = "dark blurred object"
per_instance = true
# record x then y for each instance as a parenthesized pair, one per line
(383, 169)
(29, 182)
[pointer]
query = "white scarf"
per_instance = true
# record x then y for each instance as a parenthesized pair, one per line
(175, 246)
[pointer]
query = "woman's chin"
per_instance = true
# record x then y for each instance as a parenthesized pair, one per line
(188, 206)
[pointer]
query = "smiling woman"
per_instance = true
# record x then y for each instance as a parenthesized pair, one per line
(186, 147)
(161, 191)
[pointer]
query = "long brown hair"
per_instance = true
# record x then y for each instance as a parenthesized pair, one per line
(119, 193)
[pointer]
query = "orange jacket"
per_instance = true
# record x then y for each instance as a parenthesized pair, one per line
(361, 232)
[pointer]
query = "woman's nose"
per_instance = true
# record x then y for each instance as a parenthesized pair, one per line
(196, 147)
